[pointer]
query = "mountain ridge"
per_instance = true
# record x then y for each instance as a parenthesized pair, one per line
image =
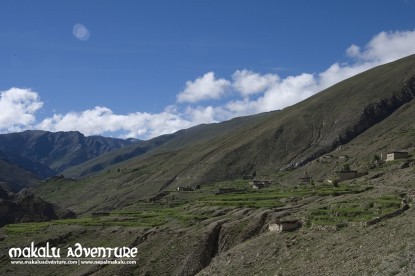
(168, 142)
(45, 154)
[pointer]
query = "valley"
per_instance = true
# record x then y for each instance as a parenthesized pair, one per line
(189, 203)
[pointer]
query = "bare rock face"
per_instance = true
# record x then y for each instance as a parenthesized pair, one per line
(26, 207)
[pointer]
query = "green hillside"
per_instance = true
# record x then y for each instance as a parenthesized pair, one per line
(170, 142)
(14, 178)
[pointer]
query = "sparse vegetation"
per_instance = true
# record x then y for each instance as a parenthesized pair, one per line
(360, 210)
(26, 228)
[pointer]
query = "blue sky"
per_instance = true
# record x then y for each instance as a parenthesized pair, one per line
(144, 68)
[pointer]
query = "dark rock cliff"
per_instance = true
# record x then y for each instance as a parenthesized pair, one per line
(26, 207)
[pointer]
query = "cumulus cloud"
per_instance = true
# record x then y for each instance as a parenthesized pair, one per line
(100, 120)
(353, 51)
(80, 32)
(387, 46)
(280, 94)
(247, 82)
(200, 115)
(203, 88)
(287, 92)
(249, 93)
(18, 107)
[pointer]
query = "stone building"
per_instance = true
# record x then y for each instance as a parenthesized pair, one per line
(394, 155)
(305, 178)
(259, 184)
(287, 225)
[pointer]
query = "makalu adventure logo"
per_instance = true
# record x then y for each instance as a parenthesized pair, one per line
(76, 255)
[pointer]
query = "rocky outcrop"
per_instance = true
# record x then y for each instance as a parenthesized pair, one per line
(204, 252)
(26, 207)
(220, 236)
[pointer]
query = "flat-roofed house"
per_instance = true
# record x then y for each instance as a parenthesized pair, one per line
(259, 184)
(394, 155)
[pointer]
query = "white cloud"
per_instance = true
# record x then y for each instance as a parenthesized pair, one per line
(336, 73)
(100, 120)
(287, 92)
(353, 51)
(203, 88)
(17, 109)
(280, 94)
(388, 46)
(248, 82)
(200, 115)
(383, 48)
(240, 107)
(80, 32)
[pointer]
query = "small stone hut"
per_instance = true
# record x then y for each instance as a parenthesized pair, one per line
(394, 155)
(282, 226)
(305, 178)
(260, 184)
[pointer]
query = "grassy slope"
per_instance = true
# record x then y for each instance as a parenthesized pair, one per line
(14, 178)
(394, 133)
(170, 142)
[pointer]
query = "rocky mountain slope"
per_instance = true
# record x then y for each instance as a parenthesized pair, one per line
(13, 178)
(46, 154)
(26, 207)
